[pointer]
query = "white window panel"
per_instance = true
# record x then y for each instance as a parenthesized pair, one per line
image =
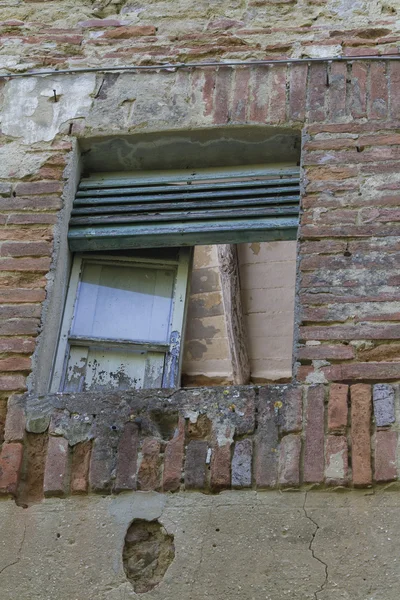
(123, 324)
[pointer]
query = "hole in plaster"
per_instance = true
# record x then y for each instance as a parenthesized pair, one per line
(148, 552)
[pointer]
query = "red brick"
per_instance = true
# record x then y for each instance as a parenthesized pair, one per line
(298, 92)
(326, 351)
(223, 84)
(17, 345)
(26, 233)
(32, 219)
(336, 459)
(378, 108)
(10, 467)
(26, 249)
(11, 383)
(15, 363)
(13, 311)
(37, 188)
(240, 102)
(19, 327)
(385, 455)
(289, 460)
(241, 476)
(394, 79)
(351, 332)
(15, 422)
(173, 459)
(277, 97)
(25, 264)
(127, 459)
(93, 23)
(314, 436)
(80, 467)
(370, 371)
(148, 478)
(221, 467)
(209, 91)
(195, 464)
(125, 33)
(337, 407)
(358, 93)
(22, 295)
(317, 92)
(337, 91)
(360, 433)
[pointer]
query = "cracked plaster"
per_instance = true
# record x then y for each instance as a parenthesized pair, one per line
(247, 545)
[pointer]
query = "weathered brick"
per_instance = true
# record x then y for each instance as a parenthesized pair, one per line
(240, 102)
(337, 90)
(80, 467)
(317, 92)
(126, 33)
(358, 94)
(394, 74)
(277, 99)
(360, 433)
(223, 83)
(127, 459)
(19, 327)
(242, 464)
(267, 440)
(25, 249)
(22, 295)
(25, 264)
(195, 464)
(148, 478)
(385, 455)
(10, 467)
(383, 398)
(102, 462)
(221, 467)
(15, 363)
(336, 460)
(11, 383)
(361, 331)
(173, 459)
(337, 407)
(289, 460)
(37, 188)
(15, 421)
(326, 351)
(314, 436)
(378, 91)
(297, 92)
(56, 469)
(94, 23)
(12, 311)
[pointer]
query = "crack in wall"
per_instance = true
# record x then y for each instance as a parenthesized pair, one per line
(311, 549)
(19, 554)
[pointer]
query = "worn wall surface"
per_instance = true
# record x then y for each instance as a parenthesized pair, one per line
(252, 546)
(198, 460)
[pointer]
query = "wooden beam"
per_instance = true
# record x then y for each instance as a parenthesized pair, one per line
(230, 284)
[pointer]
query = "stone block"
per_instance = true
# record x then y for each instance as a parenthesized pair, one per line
(383, 399)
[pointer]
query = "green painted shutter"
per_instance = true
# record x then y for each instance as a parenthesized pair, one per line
(185, 208)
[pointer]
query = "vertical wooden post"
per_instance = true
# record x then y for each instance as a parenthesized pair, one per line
(230, 284)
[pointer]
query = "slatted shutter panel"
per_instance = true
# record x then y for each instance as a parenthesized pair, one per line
(164, 208)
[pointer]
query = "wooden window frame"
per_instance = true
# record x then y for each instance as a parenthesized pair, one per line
(172, 349)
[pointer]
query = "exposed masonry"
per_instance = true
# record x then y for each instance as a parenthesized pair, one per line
(200, 439)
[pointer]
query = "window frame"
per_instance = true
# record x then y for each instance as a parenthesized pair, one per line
(172, 348)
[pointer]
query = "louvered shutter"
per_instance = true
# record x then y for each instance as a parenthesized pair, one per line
(165, 208)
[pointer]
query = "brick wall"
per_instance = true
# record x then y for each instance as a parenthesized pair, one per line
(348, 324)
(201, 439)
